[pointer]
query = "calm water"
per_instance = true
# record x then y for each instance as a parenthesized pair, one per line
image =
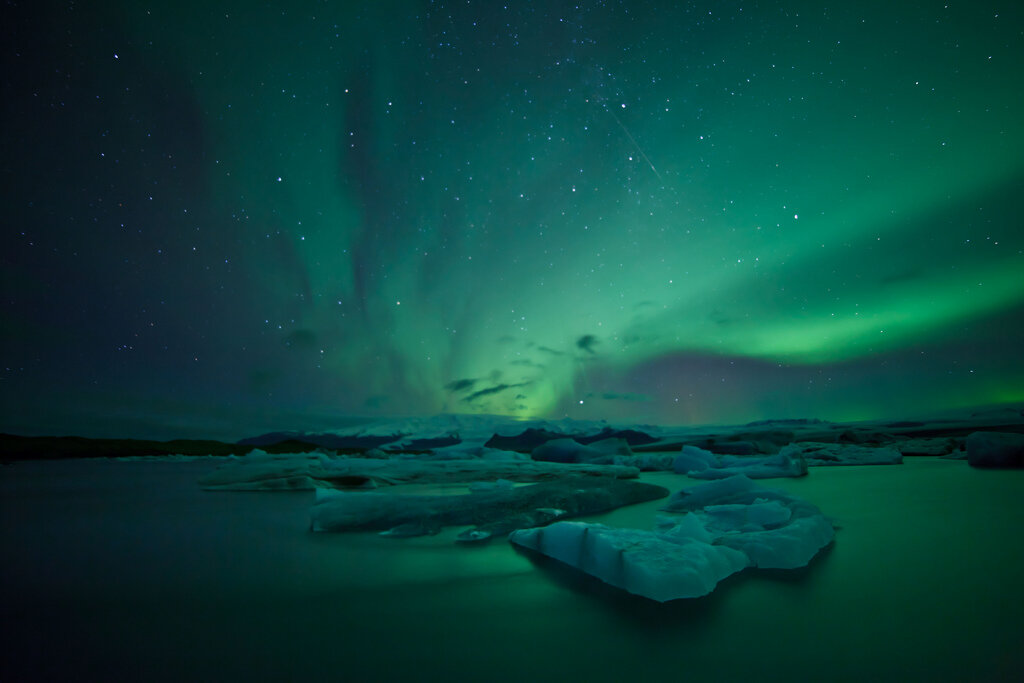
(127, 571)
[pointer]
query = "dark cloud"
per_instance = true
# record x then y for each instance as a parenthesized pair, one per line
(548, 349)
(460, 385)
(587, 343)
(491, 390)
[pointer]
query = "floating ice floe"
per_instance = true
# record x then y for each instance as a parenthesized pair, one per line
(729, 525)
(609, 451)
(475, 451)
(570, 450)
(775, 540)
(494, 509)
(658, 566)
(928, 446)
(701, 464)
(696, 462)
(259, 471)
(818, 454)
(646, 462)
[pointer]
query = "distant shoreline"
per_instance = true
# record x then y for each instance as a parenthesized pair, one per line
(15, 447)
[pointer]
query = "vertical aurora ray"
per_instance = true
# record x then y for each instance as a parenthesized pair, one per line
(469, 193)
(595, 209)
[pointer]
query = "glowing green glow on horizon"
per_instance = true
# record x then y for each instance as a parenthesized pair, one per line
(526, 218)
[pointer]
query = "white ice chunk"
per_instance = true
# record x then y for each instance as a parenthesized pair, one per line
(702, 464)
(463, 451)
(694, 459)
(729, 524)
(647, 462)
(642, 562)
(752, 517)
(495, 509)
(734, 489)
(690, 527)
(779, 465)
(818, 454)
(777, 530)
(787, 547)
(292, 472)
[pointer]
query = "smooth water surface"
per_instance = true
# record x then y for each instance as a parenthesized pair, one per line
(125, 570)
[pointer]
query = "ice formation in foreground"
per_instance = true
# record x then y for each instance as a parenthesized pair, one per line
(729, 525)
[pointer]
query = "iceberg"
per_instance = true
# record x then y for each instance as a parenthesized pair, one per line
(702, 464)
(646, 462)
(727, 525)
(773, 528)
(494, 510)
(475, 451)
(819, 454)
(655, 565)
(260, 471)
(694, 459)
(928, 446)
(569, 450)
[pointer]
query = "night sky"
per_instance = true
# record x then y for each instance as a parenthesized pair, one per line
(222, 218)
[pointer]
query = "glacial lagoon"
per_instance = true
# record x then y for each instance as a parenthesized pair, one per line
(126, 570)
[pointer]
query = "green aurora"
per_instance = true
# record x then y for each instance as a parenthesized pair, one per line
(665, 212)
